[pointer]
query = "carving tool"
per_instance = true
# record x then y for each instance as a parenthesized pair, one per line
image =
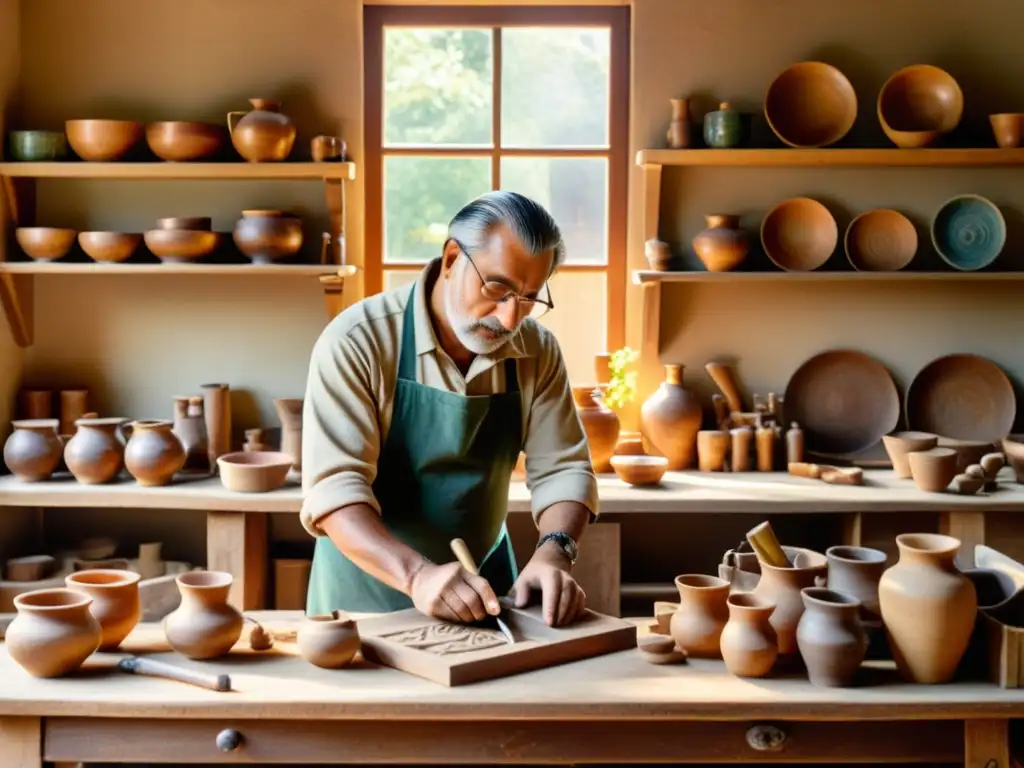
(827, 473)
(466, 560)
(136, 665)
(721, 374)
(763, 541)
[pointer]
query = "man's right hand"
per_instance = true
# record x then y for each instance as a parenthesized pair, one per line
(451, 593)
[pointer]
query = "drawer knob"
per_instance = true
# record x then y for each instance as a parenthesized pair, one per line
(766, 738)
(229, 740)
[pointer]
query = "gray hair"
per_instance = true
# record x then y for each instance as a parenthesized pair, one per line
(536, 229)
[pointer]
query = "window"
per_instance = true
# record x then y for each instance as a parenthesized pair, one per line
(463, 100)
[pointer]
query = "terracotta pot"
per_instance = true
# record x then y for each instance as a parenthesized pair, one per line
(749, 643)
(698, 623)
(95, 453)
(205, 625)
(154, 454)
(659, 255)
(723, 245)
(115, 601)
(928, 607)
(830, 636)
(33, 451)
(900, 444)
(264, 134)
(329, 641)
(266, 236)
(670, 419)
(782, 586)
(289, 411)
(53, 633)
(600, 424)
(855, 571)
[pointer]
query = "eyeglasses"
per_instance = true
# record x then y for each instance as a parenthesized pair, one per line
(499, 292)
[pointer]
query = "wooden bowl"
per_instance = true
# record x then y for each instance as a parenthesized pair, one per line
(898, 445)
(184, 140)
(103, 140)
(266, 236)
(199, 223)
(917, 104)
(180, 245)
(969, 232)
(880, 241)
(111, 247)
(254, 471)
(1006, 128)
(639, 470)
(45, 243)
(933, 470)
(811, 104)
(799, 234)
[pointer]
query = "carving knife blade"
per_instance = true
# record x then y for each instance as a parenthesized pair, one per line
(466, 560)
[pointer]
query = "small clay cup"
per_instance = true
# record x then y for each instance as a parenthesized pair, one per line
(639, 470)
(115, 601)
(898, 445)
(934, 469)
(329, 641)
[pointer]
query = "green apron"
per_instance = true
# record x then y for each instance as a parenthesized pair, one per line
(443, 472)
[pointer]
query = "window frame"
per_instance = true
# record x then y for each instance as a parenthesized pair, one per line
(616, 18)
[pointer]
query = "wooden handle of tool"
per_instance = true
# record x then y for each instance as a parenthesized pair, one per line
(763, 541)
(721, 374)
(153, 668)
(804, 469)
(842, 475)
(464, 557)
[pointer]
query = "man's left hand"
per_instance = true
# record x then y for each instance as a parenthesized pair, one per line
(563, 600)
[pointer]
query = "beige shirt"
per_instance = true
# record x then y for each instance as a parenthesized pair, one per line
(350, 391)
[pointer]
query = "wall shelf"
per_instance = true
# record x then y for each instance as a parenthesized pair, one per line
(832, 158)
(284, 171)
(92, 268)
(648, 276)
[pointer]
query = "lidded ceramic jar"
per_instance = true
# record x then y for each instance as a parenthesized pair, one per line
(154, 454)
(205, 625)
(782, 586)
(830, 637)
(670, 419)
(600, 424)
(697, 624)
(723, 245)
(749, 644)
(266, 236)
(115, 601)
(723, 128)
(95, 453)
(53, 633)
(33, 451)
(329, 640)
(263, 134)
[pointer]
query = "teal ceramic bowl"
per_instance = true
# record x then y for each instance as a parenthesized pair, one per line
(969, 232)
(33, 146)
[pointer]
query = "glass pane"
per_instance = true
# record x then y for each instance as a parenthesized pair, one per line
(575, 192)
(396, 278)
(421, 194)
(555, 86)
(438, 86)
(579, 320)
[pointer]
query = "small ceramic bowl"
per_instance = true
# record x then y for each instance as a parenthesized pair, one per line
(181, 245)
(969, 232)
(254, 472)
(799, 234)
(934, 469)
(36, 146)
(197, 223)
(1007, 129)
(810, 104)
(900, 444)
(45, 243)
(109, 247)
(183, 140)
(919, 103)
(880, 241)
(639, 470)
(103, 140)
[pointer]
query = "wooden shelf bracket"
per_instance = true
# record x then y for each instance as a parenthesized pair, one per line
(649, 368)
(334, 290)
(16, 291)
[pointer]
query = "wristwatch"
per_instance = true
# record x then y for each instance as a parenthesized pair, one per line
(565, 542)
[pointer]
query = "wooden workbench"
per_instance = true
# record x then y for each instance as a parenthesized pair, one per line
(614, 708)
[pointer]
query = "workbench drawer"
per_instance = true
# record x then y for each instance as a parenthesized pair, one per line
(452, 742)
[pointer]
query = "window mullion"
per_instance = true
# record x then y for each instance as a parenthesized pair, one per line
(496, 108)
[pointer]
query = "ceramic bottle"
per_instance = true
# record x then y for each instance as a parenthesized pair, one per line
(115, 601)
(749, 643)
(928, 607)
(782, 586)
(289, 411)
(329, 641)
(830, 637)
(263, 134)
(678, 135)
(600, 424)
(723, 245)
(723, 128)
(205, 625)
(697, 624)
(190, 428)
(154, 454)
(217, 412)
(670, 419)
(53, 633)
(95, 453)
(33, 451)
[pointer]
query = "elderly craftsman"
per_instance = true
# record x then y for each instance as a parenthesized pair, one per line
(418, 404)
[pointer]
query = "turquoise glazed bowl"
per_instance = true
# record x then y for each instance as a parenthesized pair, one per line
(38, 145)
(969, 232)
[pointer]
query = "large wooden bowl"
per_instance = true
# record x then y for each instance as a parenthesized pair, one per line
(799, 234)
(183, 140)
(919, 103)
(110, 247)
(177, 246)
(103, 140)
(811, 104)
(880, 241)
(45, 243)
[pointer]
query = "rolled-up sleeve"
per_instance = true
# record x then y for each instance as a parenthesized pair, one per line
(558, 466)
(340, 431)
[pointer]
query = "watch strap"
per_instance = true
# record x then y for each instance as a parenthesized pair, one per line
(564, 541)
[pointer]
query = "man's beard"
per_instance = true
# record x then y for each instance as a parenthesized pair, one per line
(467, 328)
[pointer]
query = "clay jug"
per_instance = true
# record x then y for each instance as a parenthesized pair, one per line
(289, 411)
(723, 245)
(830, 637)
(154, 453)
(749, 644)
(329, 641)
(190, 428)
(698, 622)
(264, 134)
(33, 451)
(53, 633)
(678, 135)
(782, 586)
(95, 453)
(670, 419)
(115, 601)
(205, 625)
(928, 607)
(600, 424)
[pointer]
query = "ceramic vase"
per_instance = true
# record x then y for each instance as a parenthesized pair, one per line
(263, 134)
(95, 453)
(670, 419)
(723, 245)
(749, 644)
(928, 606)
(205, 625)
(154, 454)
(289, 411)
(53, 633)
(33, 451)
(190, 428)
(267, 236)
(723, 128)
(856, 571)
(600, 424)
(702, 614)
(329, 641)
(831, 639)
(115, 601)
(678, 135)
(782, 586)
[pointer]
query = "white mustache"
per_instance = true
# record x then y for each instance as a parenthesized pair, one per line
(493, 325)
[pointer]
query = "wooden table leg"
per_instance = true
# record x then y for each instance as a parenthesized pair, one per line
(21, 742)
(987, 744)
(236, 542)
